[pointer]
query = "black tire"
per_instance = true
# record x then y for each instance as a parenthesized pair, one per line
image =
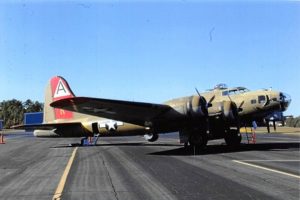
(186, 145)
(198, 140)
(153, 138)
(233, 138)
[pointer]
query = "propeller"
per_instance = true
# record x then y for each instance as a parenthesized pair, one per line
(203, 102)
(268, 100)
(240, 109)
(230, 110)
(208, 104)
(211, 100)
(284, 100)
(233, 110)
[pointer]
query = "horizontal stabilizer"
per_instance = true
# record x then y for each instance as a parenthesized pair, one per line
(46, 126)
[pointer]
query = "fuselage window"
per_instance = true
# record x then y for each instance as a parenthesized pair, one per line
(261, 99)
(253, 101)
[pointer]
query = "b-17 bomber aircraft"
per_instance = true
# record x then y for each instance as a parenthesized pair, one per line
(198, 118)
(238, 106)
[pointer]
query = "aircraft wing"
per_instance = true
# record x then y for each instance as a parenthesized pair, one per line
(127, 111)
(46, 126)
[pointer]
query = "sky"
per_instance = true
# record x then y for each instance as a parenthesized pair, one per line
(149, 51)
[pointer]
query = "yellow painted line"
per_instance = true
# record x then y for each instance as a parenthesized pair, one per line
(63, 179)
(248, 130)
(267, 169)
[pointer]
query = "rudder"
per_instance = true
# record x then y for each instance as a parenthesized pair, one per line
(56, 89)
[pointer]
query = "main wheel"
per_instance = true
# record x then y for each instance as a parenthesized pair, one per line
(198, 140)
(233, 138)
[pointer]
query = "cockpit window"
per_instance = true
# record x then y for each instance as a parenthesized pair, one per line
(261, 99)
(232, 92)
(253, 101)
(225, 93)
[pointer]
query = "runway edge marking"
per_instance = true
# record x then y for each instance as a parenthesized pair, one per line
(62, 182)
(268, 169)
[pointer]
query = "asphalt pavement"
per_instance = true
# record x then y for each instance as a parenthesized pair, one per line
(131, 168)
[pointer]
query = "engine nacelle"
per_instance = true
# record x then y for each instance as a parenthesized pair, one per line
(193, 106)
(229, 111)
(196, 106)
(151, 137)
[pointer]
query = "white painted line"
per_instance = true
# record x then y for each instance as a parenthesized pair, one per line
(63, 179)
(281, 138)
(268, 169)
(270, 160)
(284, 141)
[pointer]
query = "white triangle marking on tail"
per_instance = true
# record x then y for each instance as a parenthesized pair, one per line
(61, 90)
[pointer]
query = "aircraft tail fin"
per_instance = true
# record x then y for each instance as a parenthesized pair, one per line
(57, 88)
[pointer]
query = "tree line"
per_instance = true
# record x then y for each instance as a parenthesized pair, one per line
(293, 122)
(12, 111)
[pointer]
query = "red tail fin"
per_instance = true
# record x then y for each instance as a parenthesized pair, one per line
(61, 90)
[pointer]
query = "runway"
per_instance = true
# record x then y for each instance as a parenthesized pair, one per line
(131, 168)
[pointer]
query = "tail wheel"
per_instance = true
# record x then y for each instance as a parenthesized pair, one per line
(233, 138)
(151, 137)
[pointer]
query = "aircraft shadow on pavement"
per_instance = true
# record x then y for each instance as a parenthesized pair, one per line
(220, 149)
(210, 149)
(118, 144)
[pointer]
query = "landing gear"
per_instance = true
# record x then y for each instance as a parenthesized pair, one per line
(83, 140)
(151, 137)
(233, 137)
(198, 140)
(89, 141)
(194, 138)
(186, 145)
(222, 128)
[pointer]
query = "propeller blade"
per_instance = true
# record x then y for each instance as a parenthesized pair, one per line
(208, 104)
(268, 100)
(241, 104)
(197, 92)
(240, 109)
(211, 99)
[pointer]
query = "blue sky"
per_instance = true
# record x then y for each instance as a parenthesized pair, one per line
(148, 51)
